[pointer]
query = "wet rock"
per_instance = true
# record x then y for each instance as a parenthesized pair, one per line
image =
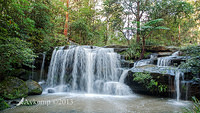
(155, 49)
(66, 47)
(126, 64)
(117, 48)
(33, 87)
(51, 90)
(13, 88)
(161, 54)
(163, 79)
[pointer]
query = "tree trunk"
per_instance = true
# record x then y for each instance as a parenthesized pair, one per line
(179, 32)
(143, 48)
(138, 21)
(66, 21)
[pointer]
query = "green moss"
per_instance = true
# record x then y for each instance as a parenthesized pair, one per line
(12, 88)
(33, 88)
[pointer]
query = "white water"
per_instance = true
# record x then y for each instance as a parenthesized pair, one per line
(42, 66)
(87, 69)
(143, 62)
(178, 75)
(123, 76)
(166, 61)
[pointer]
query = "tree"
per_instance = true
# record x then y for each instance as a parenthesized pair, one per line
(139, 10)
(115, 18)
(176, 13)
(147, 29)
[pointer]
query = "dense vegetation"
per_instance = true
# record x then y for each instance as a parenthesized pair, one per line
(30, 27)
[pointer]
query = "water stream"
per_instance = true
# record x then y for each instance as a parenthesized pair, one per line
(87, 69)
(42, 66)
(88, 79)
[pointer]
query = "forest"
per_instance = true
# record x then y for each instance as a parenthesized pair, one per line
(32, 27)
(29, 27)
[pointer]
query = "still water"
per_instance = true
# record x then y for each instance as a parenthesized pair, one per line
(92, 103)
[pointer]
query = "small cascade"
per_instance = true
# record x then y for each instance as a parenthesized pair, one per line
(175, 54)
(164, 61)
(42, 66)
(146, 61)
(143, 62)
(86, 69)
(123, 76)
(177, 80)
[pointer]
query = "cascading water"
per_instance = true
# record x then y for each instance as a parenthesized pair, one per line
(86, 69)
(166, 61)
(178, 75)
(42, 66)
(143, 62)
(146, 61)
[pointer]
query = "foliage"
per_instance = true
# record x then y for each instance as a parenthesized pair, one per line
(134, 51)
(3, 104)
(193, 63)
(175, 13)
(85, 25)
(196, 106)
(28, 27)
(146, 30)
(15, 54)
(149, 82)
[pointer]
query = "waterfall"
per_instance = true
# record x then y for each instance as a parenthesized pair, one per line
(146, 61)
(164, 61)
(178, 75)
(176, 53)
(123, 76)
(42, 66)
(87, 69)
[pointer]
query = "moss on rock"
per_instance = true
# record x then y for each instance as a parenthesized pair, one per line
(33, 87)
(13, 88)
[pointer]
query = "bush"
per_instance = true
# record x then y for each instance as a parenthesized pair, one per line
(148, 82)
(193, 63)
(3, 104)
(15, 53)
(133, 51)
(196, 106)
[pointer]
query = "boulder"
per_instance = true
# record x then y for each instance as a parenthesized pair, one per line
(51, 90)
(163, 79)
(12, 88)
(33, 87)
